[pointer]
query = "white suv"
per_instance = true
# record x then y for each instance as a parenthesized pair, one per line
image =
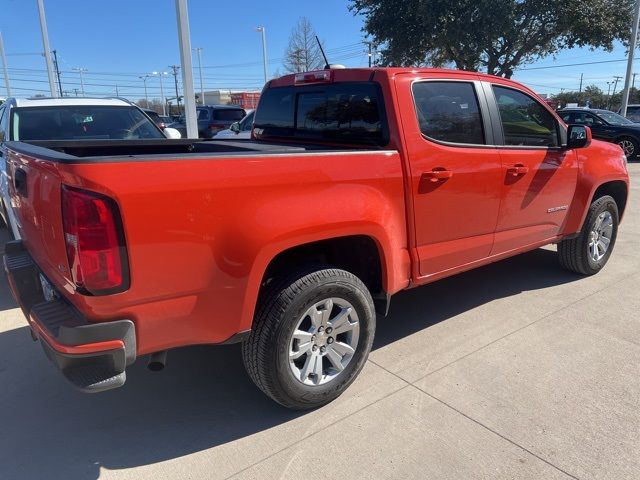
(71, 119)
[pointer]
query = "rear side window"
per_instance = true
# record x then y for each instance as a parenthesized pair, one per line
(342, 112)
(203, 114)
(448, 111)
(228, 115)
(525, 121)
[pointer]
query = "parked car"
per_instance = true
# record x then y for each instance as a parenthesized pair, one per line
(238, 130)
(212, 119)
(360, 183)
(633, 113)
(72, 119)
(607, 126)
(167, 120)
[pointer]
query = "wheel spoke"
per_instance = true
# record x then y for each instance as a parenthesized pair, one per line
(309, 363)
(341, 323)
(316, 316)
(605, 242)
(343, 349)
(335, 358)
(326, 312)
(304, 344)
(317, 369)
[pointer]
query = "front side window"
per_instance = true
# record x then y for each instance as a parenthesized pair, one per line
(449, 112)
(203, 114)
(82, 122)
(525, 121)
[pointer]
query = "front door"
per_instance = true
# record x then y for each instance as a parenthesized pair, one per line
(455, 174)
(539, 177)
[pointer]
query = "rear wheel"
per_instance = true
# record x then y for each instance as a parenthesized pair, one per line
(311, 337)
(590, 250)
(629, 146)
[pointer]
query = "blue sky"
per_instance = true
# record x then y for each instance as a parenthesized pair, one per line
(117, 41)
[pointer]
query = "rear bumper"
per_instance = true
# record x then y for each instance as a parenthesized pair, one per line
(92, 356)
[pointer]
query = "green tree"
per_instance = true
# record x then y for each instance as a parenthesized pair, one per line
(492, 35)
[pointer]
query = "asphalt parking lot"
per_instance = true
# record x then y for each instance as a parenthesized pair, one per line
(515, 370)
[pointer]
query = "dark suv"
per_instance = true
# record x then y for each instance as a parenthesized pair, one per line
(608, 126)
(212, 119)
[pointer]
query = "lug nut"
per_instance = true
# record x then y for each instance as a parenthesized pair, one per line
(320, 329)
(313, 338)
(330, 340)
(314, 348)
(329, 330)
(323, 349)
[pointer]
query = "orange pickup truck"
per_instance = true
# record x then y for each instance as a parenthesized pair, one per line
(357, 183)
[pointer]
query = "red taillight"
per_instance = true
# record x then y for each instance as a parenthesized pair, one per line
(95, 242)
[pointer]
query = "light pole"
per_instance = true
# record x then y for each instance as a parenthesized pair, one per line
(144, 80)
(199, 50)
(81, 71)
(161, 74)
(264, 50)
(184, 37)
(47, 50)
(632, 51)
(4, 66)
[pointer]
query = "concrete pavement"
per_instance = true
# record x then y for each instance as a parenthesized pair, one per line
(516, 370)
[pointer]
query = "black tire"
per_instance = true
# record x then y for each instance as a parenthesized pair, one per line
(574, 253)
(266, 351)
(632, 143)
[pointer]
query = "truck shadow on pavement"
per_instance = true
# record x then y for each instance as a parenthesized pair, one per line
(204, 398)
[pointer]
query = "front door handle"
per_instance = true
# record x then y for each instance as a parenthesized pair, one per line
(437, 175)
(517, 170)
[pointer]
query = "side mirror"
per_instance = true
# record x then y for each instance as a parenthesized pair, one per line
(235, 127)
(171, 133)
(578, 136)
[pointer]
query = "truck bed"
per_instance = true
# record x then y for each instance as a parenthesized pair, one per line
(80, 151)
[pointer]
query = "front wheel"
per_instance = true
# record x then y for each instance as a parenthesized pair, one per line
(590, 250)
(312, 334)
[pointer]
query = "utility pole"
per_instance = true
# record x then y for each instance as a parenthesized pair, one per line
(609, 95)
(372, 52)
(184, 36)
(4, 66)
(175, 69)
(75, 92)
(81, 71)
(55, 63)
(117, 93)
(144, 80)
(164, 103)
(264, 51)
(47, 50)
(632, 51)
(580, 89)
(199, 50)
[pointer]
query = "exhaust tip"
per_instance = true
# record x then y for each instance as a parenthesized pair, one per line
(157, 361)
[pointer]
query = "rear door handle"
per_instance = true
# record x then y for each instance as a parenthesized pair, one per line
(437, 175)
(517, 170)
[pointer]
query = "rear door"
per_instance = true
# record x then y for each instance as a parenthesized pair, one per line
(538, 175)
(455, 173)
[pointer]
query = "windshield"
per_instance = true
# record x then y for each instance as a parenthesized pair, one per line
(614, 118)
(81, 122)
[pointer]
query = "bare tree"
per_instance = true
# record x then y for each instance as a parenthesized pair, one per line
(303, 53)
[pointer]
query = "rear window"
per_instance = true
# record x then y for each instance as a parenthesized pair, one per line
(342, 112)
(229, 115)
(81, 122)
